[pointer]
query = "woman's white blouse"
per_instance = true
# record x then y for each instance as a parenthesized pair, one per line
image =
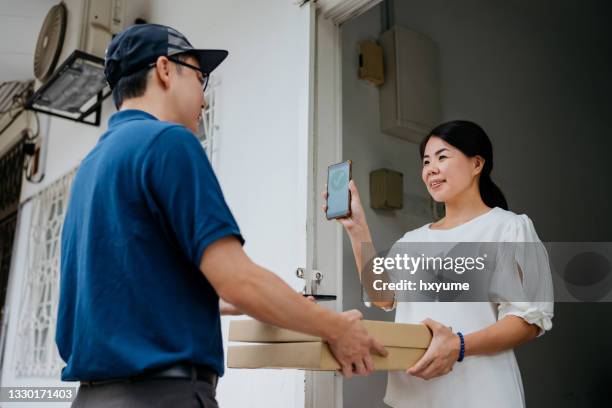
(484, 380)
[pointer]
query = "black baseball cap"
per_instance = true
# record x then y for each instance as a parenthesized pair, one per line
(138, 46)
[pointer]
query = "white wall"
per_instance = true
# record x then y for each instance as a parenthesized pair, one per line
(536, 76)
(260, 148)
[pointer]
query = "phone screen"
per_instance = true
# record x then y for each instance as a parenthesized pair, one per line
(338, 196)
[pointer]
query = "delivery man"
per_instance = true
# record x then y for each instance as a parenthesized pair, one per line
(149, 245)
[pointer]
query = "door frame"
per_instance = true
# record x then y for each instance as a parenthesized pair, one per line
(324, 238)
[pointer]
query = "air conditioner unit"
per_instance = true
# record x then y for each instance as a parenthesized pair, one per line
(97, 21)
(101, 20)
(84, 25)
(76, 33)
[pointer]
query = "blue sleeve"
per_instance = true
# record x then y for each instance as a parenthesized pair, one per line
(183, 193)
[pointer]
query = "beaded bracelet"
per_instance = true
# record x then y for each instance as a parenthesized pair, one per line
(462, 347)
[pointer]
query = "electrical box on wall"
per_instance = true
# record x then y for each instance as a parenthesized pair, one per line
(386, 189)
(371, 62)
(410, 96)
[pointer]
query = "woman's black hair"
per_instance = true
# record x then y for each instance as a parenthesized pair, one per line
(472, 140)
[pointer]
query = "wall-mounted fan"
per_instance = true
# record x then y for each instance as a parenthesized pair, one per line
(50, 41)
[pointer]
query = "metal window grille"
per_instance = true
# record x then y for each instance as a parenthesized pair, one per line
(36, 354)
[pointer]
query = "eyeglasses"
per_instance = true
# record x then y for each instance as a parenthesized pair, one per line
(203, 78)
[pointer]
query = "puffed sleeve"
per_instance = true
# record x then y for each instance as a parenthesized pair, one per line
(536, 303)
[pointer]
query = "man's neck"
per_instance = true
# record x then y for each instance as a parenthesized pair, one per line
(150, 106)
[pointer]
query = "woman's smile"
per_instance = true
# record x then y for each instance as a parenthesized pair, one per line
(436, 183)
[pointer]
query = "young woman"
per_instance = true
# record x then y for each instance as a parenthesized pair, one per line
(457, 161)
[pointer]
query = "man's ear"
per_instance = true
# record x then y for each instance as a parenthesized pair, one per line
(162, 69)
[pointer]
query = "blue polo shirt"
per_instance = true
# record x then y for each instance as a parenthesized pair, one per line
(144, 205)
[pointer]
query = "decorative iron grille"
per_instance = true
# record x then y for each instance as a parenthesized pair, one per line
(36, 354)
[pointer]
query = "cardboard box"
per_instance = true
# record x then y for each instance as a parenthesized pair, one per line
(281, 348)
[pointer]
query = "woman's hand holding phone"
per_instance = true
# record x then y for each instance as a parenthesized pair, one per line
(355, 224)
(356, 227)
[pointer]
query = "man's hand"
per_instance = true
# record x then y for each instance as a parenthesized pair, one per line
(440, 356)
(352, 348)
(350, 354)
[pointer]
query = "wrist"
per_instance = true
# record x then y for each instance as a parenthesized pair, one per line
(334, 326)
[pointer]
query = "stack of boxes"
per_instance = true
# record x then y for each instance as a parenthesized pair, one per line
(272, 347)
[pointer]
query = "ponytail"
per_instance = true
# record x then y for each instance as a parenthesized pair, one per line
(491, 194)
